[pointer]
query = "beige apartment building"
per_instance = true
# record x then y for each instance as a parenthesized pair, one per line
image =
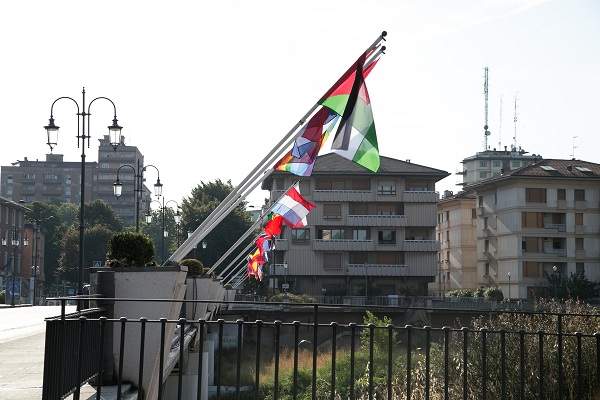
(455, 231)
(371, 234)
(538, 220)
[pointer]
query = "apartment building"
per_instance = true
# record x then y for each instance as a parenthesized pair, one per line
(370, 234)
(50, 180)
(108, 163)
(56, 180)
(538, 220)
(490, 163)
(455, 230)
(13, 245)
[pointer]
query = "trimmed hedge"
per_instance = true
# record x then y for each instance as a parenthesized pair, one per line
(130, 249)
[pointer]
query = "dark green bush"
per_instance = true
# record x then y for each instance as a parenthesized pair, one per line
(460, 293)
(195, 267)
(494, 294)
(130, 249)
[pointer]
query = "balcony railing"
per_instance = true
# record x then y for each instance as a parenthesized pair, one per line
(420, 196)
(343, 245)
(420, 245)
(377, 269)
(377, 220)
(558, 227)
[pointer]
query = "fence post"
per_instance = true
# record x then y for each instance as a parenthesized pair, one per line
(465, 360)
(560, 355)
(446, 331)
(541, 362)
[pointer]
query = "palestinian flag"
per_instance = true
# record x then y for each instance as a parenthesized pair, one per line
(355, 138)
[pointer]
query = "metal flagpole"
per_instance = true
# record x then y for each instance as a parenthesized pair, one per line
(249, 231)
(202, 231)
(237, 268)
(241, 254)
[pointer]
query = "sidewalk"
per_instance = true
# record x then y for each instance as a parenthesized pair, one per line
(22, 335)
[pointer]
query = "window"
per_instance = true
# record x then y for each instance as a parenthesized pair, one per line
(447, 216)
(486, 245)
(329, 184)
(448, 257)
(495, 197)
(9, 179)
(448, 236)
(305, 187)
(300, 235)
(389, 209)
(332, 260)
(578, 218)
(578, 243)
(532, 220)
(531, 269)
(389, 258)
(359, 209)
(485, 222)
(332, 234)
(386, 188)
(530, 245)
(487, 269)
(561, 194)
(362, 184)
(104, 165)
(480, 201)
(29, 176)
(535, 195)
(51, 177)
(473, 213)
(497, 163)
(579, 194)
(483, 174)
(332, 211)
(360, 234)
(358, 257)
(580, 268)
(387, 237)
(515, 164)
(483, 163)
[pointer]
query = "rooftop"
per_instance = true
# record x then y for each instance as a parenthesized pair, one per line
(549, 168)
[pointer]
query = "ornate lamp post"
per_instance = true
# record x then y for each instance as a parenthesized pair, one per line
(508, 276)
(83, 136)
(165, 233)
(138, 187)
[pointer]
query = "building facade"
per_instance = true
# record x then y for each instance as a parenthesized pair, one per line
(56, 180)
(490, 163)
(13, 245)
(109, 161)
(455, 230)
(370, 234)
(537, 221)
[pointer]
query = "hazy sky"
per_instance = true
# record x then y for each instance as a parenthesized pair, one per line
(206, 88)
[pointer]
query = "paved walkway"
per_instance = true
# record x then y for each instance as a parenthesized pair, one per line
(22, 335)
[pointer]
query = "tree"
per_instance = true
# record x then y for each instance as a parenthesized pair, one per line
(197, 207)
(96, 239)
(154, 230)
(576, 286)
(100, 213)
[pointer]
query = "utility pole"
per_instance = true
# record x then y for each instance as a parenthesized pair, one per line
(486, 132)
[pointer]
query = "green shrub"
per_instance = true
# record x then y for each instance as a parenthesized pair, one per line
(2, 296)
(479, 292)
(292, 298)
(195, 267)
(460, 293)
(130, 249)
(494, 294)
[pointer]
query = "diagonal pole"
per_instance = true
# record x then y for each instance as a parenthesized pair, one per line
(238, 194)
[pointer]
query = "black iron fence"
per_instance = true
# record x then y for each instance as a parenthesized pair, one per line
(530, 355)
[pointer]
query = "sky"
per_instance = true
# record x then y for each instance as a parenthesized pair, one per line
(205, 89)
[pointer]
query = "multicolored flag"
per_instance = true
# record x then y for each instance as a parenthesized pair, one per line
(255, 263)
(301, 159)
(356, 138)
(264, 244)
(293, 208)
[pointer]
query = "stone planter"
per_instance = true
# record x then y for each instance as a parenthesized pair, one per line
(146, 283)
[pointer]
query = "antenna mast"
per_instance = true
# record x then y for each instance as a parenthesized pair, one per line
(574, 147)
(515, 120)
(486, 132)
(500, 126)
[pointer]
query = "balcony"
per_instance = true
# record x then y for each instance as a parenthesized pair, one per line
(342, 195)
(420, 197)
(278, 269)
(342, 245)
(377, 220)
(556, 227)
(377, 269)
(420, 245)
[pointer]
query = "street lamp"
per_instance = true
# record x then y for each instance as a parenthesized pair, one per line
(83, 135)
(15, 242)
(508, 275)
(165, 233)
(138, 189)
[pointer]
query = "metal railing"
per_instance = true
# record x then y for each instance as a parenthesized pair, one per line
(312, 359)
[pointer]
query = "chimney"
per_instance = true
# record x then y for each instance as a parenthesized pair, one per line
(570, 168)
(448, 193)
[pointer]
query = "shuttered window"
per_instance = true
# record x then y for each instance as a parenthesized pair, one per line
(535, 195)
(531, 269)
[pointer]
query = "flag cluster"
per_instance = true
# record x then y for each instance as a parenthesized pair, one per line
(347, 105)
(291, 209)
